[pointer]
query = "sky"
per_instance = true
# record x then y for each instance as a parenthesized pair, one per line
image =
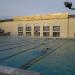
(12, 8)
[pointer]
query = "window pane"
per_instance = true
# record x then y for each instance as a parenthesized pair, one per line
(46, 28)
(56, 34)
(28, 28)
(37, 28)
(56, 28)
(36, 33)
(45, 33)
(20, 33)
(20, 28)
(28, 33)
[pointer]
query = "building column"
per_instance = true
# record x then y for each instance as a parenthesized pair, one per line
(51, 31)
(41, 31)
(32, 31)
(24, 30)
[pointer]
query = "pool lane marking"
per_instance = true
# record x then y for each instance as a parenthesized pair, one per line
(16, 52)
(33, 61)
(30, 42)
(20, 52)
(14, 43)
(5, 42)
(18, 42)
(23, 49)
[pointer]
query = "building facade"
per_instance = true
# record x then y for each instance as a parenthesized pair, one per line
(59, 25)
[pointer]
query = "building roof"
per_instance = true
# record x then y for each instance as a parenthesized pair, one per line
(41, 17)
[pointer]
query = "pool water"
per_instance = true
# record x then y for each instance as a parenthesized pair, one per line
(48, 56)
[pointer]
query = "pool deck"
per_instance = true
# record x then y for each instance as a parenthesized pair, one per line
(15, 71)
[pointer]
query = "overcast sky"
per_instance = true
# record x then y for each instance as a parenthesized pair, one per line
(11, 8)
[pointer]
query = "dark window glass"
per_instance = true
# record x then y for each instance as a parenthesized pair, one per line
(20, 33)
(20, 28)
(36, 33)
(28, 33)
(37, 28)
(45, 33)
(46, 28)
(56, 34)
(28, 28)
(56, 28)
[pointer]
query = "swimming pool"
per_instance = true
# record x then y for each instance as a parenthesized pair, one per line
(48, 56)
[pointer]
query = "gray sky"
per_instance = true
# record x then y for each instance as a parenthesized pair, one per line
(11, 8)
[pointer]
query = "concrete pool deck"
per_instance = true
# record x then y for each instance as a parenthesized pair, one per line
(15, 71)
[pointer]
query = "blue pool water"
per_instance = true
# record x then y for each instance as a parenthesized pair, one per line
(32, 54)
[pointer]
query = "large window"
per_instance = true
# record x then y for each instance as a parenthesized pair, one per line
(45, 34)
(56, 31)
(56, 28)
(46, 30)
(37, 34)
(20, 28)
(28, 31)
(36, 30)
(20, 31)
(56, 34)
(28, 28)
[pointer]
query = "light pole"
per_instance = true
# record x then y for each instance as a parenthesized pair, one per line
(69, 5)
